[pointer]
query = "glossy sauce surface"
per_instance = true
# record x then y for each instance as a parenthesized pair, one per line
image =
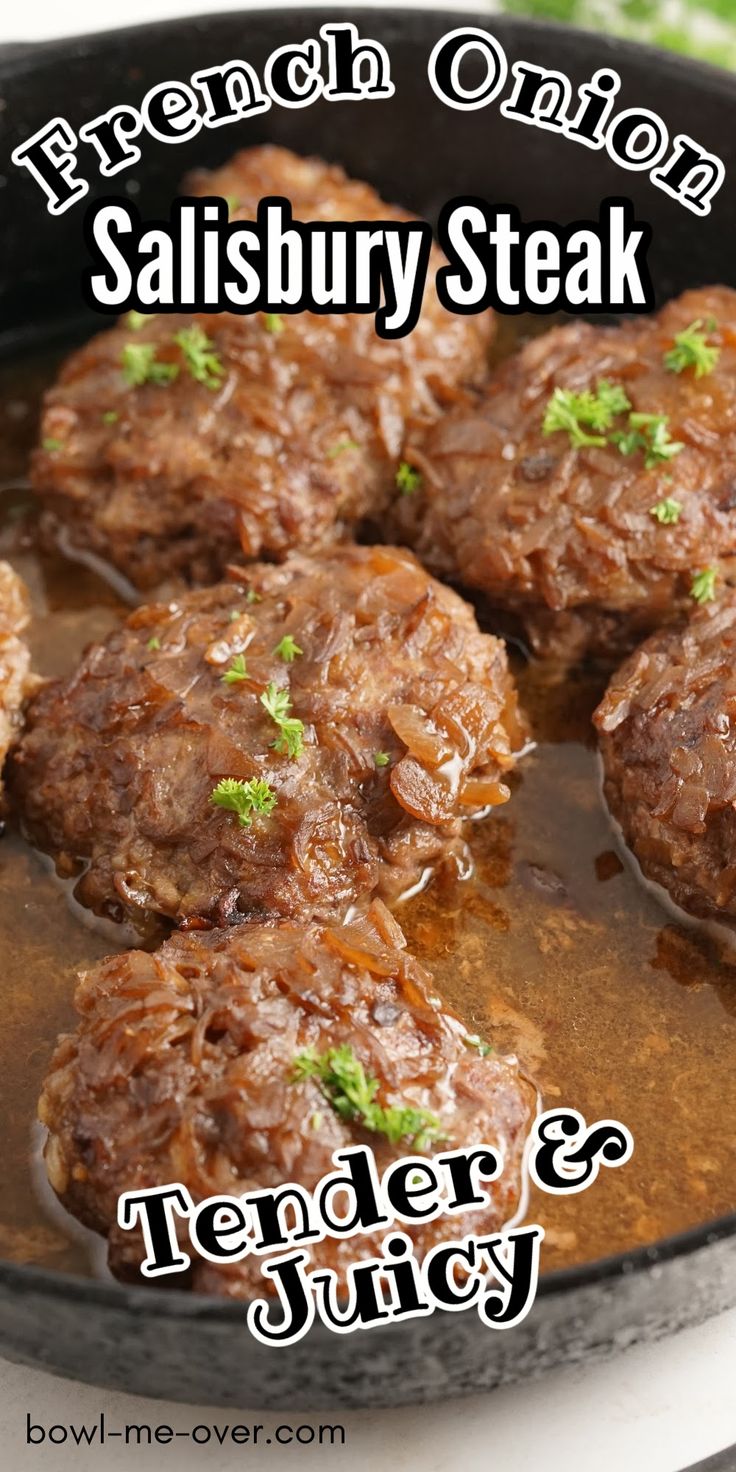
(554, 948)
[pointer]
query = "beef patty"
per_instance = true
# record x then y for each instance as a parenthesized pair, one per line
(15, 677)
(593, 545)
(197, 1064)
(284, 439)
(667, 735)
(348, 703)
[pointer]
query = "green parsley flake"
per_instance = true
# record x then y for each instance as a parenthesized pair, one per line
(650, 433)
(656, 441)
(568, 412)
(139, 365)
(232, 202)
(244, 798)
(252, 597)
(110, 416)
(565, 412)
(288, 649)
(346, 1086)
(51, 444)
(236, 672)
(381, 758)
(408, 479)
(136, 320)
(703, 585)
(273, 322)
(340, 448)
(234, 614)
(692, 350)
(608, 401)
(628, 441)
(667, 511)
(472, 1040)
(290, 739)
(201, 357)
(153, 643)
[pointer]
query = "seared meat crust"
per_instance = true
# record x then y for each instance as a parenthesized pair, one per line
(565, 537)
(182, 1067)
(668, 739)
(300, 439)
(410, 722)
(15, 660)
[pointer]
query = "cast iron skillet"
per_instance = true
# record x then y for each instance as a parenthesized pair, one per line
(415, 149)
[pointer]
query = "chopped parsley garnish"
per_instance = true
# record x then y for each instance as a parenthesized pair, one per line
(692, 350)
(565, 412)
(153, 643)
(610, 399)
(252, 597)
(139, 365)
(244, 798)
(345, 1084)
(236, 672)
(472, 1040)
(51, 444)
(234, 614)
(340, 448)
(381, 758)
(627, 441)
(650, 433)
(288, 649)
(201, 357)
(657, 442)
(569, 412)
(667, 511)
(290, 739)
(273, 322)
(408, 479)
(232, 202)
(136, 320)
(703, 585)
(110, 416)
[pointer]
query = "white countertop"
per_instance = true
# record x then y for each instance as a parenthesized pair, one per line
(654, 1409)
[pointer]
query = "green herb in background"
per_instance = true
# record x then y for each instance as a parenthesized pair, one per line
(701, 28)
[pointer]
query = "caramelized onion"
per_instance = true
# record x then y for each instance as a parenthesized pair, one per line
(420, 737)
(483, 792)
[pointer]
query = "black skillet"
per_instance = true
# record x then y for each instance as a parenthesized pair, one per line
(416, 150)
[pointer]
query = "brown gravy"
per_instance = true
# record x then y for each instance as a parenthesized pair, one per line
(554, 948)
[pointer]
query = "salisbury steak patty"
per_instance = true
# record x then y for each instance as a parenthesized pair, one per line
(668, 738)
(15, 677)
(198, 1064)
(349, 702)
(282, 439)
(593, 545)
